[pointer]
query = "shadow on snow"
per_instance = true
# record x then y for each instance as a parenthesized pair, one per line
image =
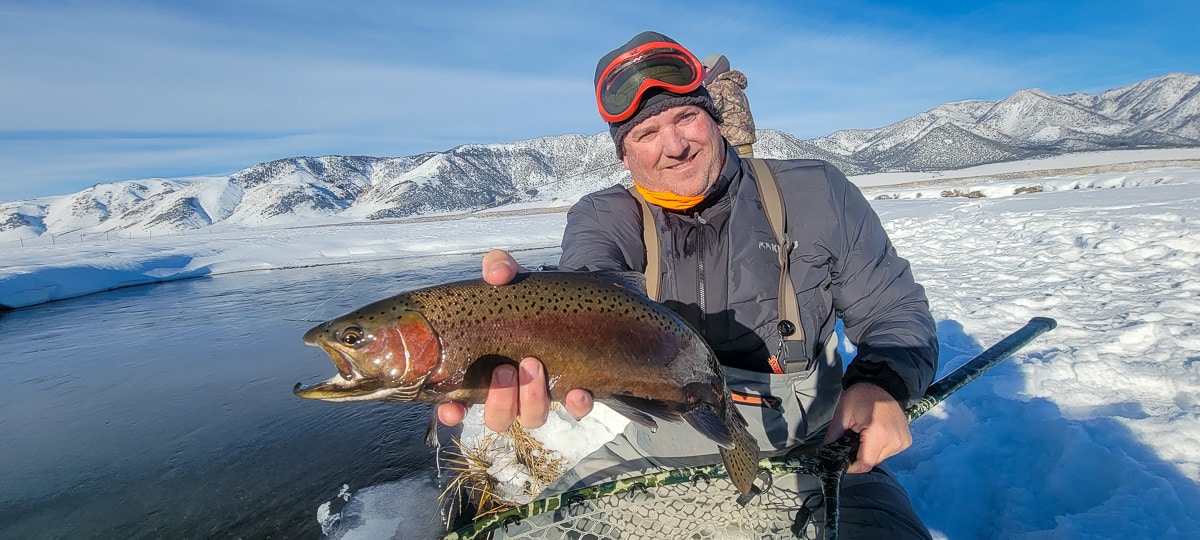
(986, 463)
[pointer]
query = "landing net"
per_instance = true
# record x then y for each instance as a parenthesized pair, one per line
(694, 503)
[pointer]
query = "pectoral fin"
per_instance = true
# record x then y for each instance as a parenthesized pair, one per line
(705, 420)
(645, 410)
(431, 431)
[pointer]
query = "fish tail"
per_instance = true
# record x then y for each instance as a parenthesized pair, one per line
(741, 461)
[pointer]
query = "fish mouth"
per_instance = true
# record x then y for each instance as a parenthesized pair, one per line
(350, 385)
(347, 385)
(339, 389)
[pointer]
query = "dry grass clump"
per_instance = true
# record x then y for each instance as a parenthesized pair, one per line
(544, 466)
(469, 465)
(470, 481)
(960, 193)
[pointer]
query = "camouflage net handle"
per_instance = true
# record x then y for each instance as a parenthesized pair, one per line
(826, 463)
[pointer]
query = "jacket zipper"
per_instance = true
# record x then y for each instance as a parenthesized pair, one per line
(701, 300)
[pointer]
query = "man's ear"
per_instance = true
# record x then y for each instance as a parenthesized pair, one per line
(625, 161)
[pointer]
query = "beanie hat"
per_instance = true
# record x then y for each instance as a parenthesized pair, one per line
(714, 64)
(655, 101)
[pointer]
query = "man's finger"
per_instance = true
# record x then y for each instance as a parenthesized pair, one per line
(499, 267)
(579, 403)
(834, 432)
(535, 401)
(501, 407)
(451, 414)
(870, 454)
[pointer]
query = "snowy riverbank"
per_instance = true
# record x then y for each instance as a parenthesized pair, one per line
(1093, 431)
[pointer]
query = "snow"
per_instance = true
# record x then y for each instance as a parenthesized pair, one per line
(1036, 168)
(41, 273)
(1091, 431)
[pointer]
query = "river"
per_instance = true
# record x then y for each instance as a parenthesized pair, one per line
(166, 411)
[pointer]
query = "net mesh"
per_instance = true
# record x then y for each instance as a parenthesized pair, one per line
(705, 511)
(697, 503)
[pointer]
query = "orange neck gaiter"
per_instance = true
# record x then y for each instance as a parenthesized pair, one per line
(669, 200)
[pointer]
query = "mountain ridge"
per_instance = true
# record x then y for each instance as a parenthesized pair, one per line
(1163, 112)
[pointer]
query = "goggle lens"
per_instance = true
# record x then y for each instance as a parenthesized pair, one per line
(631, 75)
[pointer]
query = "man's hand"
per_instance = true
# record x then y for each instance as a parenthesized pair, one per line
(879, 421)
(515, 392)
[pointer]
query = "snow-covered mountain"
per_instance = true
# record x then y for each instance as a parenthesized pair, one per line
(329, 188)
(1158, 113)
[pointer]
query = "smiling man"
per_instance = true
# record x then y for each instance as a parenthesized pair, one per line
(675, 153)
(719, 266)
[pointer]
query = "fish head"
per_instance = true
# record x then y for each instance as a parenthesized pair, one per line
(378, 357)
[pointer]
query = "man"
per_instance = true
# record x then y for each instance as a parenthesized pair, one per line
(721, 272)
(727, 88)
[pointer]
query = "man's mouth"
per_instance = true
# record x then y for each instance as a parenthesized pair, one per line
(684, 163)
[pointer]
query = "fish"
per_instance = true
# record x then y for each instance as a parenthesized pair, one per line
(593, 330)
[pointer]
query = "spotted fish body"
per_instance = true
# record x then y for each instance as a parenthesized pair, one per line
(597, 331)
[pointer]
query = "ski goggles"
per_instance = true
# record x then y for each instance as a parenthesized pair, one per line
(655, 65)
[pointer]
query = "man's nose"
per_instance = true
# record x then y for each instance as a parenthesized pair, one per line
(674, 143)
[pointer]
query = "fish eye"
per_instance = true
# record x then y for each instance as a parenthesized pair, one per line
(352, 336)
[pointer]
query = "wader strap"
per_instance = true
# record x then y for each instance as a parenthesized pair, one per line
(790, 329)
(653, 250)
(771, 195)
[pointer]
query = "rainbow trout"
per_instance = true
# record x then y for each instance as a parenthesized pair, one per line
(597, 331)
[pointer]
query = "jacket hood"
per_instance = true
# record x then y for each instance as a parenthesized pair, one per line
(733, 76)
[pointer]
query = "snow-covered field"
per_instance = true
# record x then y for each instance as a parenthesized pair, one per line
(1039, 168)
(1092, 431)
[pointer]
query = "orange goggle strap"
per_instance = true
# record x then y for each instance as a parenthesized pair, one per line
(658, 64)
(668, 200)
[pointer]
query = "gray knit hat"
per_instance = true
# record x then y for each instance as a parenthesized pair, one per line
(714, 64)
(655, 101)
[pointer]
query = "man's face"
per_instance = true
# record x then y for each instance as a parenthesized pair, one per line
(678, 150)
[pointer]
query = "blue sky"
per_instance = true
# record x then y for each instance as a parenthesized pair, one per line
(101, 91)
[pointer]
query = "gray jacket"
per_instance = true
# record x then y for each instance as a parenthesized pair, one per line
(721, 274)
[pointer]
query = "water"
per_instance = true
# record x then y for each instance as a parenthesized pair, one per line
(166, 411)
